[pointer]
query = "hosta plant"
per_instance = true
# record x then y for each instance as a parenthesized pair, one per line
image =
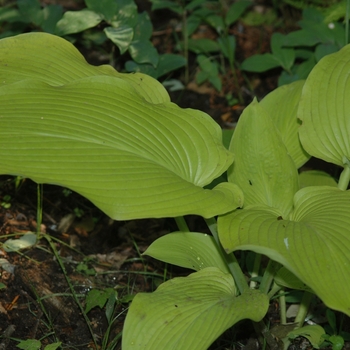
(119, 141)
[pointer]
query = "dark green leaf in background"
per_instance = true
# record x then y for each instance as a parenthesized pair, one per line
(51, 15)
(227, 46)
(236, 10)
(193, 4)
(144, 52)
(169, 62)
(143, 29)
(217, 22)
(192, 24)
(77, 21)
(203, 45)
(126, 14)
(30, 11)
(260, 63)
(121, 36)
(324, 50)
(163, 4)
(106, 8)
(8, 14)
(285, 56)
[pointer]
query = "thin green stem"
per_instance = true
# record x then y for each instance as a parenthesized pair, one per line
(181, 224)
(261, 328)
(283, 308)
(39, 210)
(231, 260)
(274, 290)
(71, 287)
(256, 268)
(42, 310)
(344, 178)
(347, 22)
(303, 308)
(185, 49)
(235, 78)
(165, 272)
(269, 274)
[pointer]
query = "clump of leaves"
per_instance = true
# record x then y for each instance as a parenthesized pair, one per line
(298, 52)
(210, 53)
(118, 140)
(127, 29)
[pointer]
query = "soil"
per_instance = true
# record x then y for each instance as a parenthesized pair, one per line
(97, 252)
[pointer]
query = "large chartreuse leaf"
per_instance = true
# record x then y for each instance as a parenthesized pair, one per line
(189, 313)
(313, 242)
(325, 108)
(262, 168)
(282, 105)
(192, 250)
(114, 138)
(56, 62)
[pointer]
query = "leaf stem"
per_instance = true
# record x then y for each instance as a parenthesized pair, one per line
(231, 260)
(347, 22)
(235, 79)
(39, 209)
(181, 224)
(256, 268)
(303, 308)
(344, 178)
(283, 308)
(269, 274)
(185, 41)
(71, 287)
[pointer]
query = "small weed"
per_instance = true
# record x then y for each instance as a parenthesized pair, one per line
(128, 30)
(299, 51)
(6, 201)
(32, 344)
(211, 54)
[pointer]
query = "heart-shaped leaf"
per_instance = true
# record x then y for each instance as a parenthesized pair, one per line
(192, 250)
(313, 243)
(325, 108)
(112, 137)
(202, 303)
(282, 105)
(121, 36)
(262, 168)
